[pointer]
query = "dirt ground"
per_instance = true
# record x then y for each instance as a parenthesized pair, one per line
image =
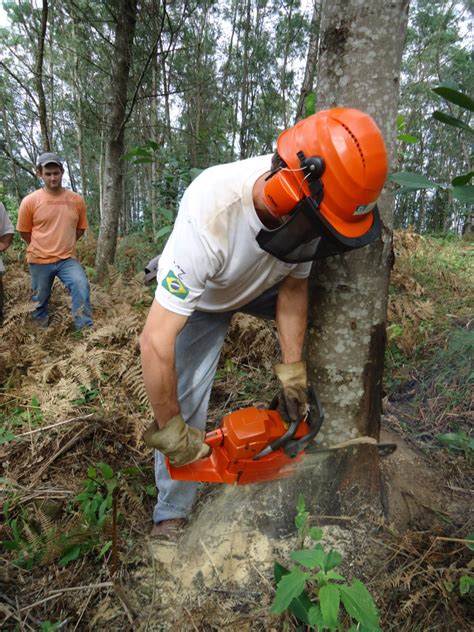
(79, 400)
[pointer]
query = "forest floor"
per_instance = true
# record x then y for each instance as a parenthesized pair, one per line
(77, 487)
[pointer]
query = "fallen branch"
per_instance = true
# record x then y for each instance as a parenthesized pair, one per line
(60, 423)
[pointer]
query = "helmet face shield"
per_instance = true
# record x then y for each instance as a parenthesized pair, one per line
(307, 236)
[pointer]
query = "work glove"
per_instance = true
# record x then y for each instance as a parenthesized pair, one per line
(293, 401)
(181, 443)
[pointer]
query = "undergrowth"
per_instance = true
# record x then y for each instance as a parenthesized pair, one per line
(81, 402)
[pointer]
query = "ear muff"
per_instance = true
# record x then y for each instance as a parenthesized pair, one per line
(287, 187)
(282, 192)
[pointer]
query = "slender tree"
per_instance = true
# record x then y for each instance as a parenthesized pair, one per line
(115, 115)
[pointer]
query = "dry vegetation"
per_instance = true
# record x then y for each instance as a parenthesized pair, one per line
(72, 401)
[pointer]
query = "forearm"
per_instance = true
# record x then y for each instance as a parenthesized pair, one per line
(157, 345)
(291, 318)
(5, 241)
(79, 233)
(159, 374)
(26, 237)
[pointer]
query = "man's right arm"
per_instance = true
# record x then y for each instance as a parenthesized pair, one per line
(25, 236)
(157, 346)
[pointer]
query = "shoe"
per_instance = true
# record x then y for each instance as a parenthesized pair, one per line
(168, 529)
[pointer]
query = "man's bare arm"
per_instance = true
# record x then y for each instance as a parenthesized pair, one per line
(157, 345)
(5, 241)
(26, 237)
(79, 233)
(291, 318)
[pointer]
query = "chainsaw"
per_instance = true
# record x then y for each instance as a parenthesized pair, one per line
(253, 445)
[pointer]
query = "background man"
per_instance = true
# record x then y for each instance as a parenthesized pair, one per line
(244, 239)
(51, 220)
(6, 236)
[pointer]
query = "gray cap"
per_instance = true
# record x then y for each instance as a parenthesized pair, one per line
(49, 158)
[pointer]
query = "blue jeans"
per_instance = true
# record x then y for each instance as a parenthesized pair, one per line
(73, 277)
(198, 347)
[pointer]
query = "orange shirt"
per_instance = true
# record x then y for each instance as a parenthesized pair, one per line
(52, 221)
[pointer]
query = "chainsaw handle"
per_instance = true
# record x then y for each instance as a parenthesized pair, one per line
(293, 446)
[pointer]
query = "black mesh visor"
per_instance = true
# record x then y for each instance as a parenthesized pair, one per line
(307, 236)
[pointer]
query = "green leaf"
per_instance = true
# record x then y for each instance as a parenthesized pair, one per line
(465, 178)
(15, 529)
(163, 231)
(404, 190)
(464, 193)
(465, 584)
(142, 161)
(315, 533)
(359, 604)
(447, 119)
(400, 122)
(11, 545)
(289, 587)
(329, 600)
(309, 557)
(456, 97)
(301, 605)
(104, 549)
(6, 436)
(449, 586)
(92, 472)
(310, 104)
(470, 541)
(335, 576)
(300, 505)
(333, 559)
(167, 213)
(413, 180)
(315, 617)
(154, 146)
(408, 138)
(107, 471)
(71, 554)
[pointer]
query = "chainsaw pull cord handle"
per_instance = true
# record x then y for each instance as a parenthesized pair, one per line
(292, 447)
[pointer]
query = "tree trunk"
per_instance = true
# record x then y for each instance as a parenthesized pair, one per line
(43, 119)
(359, 65)
(114, 135)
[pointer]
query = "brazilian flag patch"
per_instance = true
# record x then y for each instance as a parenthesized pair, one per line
(174, 285)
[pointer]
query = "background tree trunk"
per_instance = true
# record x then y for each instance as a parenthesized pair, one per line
(43, 118)
(114, 136)
(359, 66)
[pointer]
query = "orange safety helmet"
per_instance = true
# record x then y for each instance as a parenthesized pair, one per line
(334, 168)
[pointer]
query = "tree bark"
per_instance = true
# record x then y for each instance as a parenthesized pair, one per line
(114, 136)
(43, 119)
(359, 66)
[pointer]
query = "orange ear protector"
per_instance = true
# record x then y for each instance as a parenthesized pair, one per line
(284, 190)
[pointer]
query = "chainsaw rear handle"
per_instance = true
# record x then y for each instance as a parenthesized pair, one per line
(291, 446)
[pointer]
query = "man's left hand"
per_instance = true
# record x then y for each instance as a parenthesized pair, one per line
(293, 401)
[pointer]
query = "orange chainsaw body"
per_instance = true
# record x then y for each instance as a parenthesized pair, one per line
(235, 445)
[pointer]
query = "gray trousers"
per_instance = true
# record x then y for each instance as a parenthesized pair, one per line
(198, 347)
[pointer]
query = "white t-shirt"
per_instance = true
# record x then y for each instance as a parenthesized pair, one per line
(212, 260)
(6, 228)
